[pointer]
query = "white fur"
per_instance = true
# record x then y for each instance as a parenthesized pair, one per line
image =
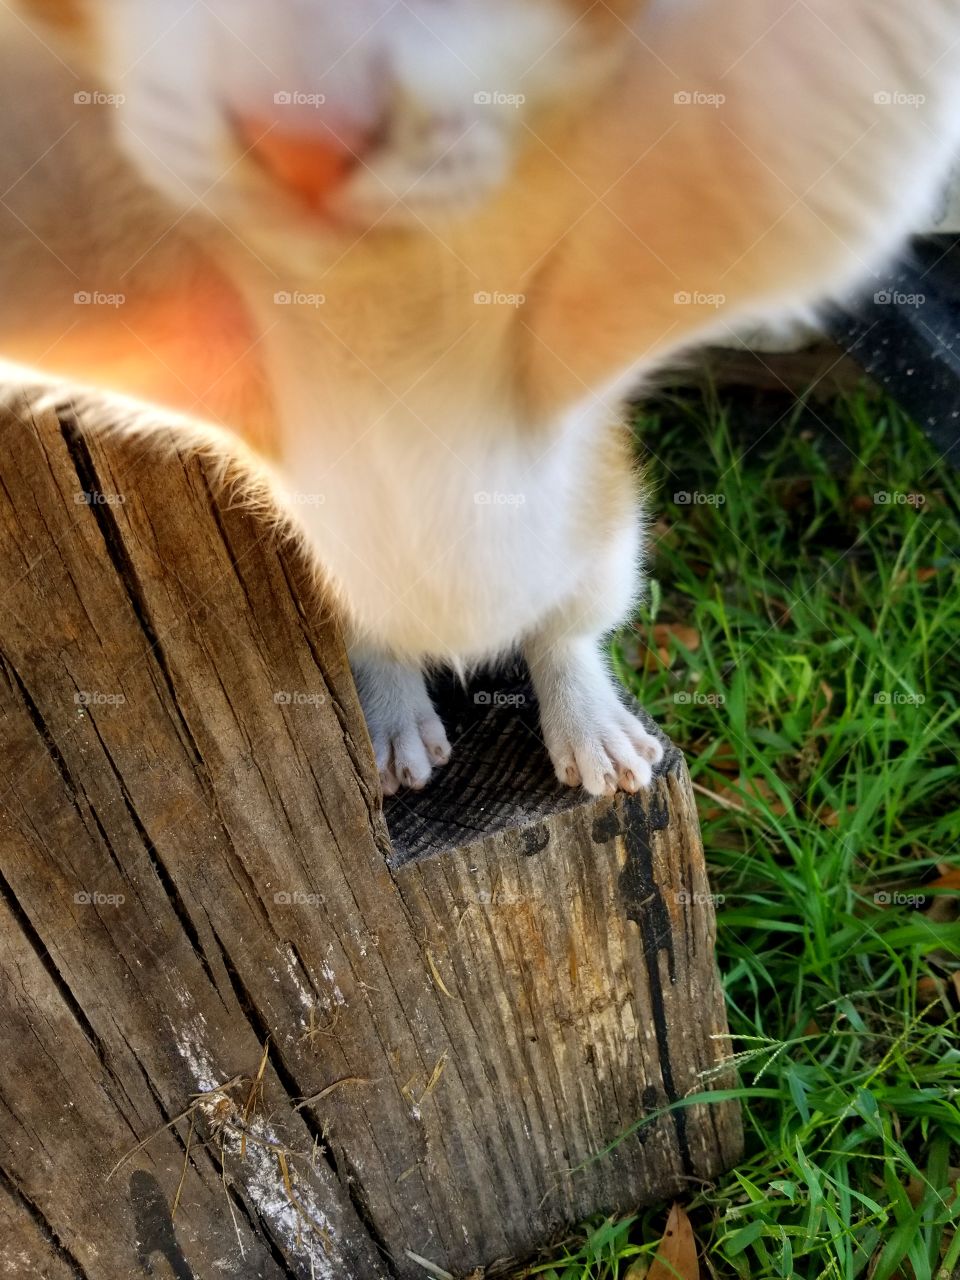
(443, 548)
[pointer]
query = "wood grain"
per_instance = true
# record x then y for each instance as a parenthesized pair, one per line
(197, 881)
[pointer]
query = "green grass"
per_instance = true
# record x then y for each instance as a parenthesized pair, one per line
(822, 705)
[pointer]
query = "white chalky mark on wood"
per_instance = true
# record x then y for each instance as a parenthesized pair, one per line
(258, 1175)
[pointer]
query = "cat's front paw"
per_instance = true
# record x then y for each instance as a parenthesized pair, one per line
(593, 740)
(605, 750)
(408, 737)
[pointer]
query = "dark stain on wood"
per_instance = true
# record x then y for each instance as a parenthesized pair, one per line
(607, 825)
(534, 840)
(642, 897)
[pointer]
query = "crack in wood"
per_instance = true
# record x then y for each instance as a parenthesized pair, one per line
(123, 565)
(44, 1226)
(50, 966)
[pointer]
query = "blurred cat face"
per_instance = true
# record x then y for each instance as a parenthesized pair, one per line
(360, 113)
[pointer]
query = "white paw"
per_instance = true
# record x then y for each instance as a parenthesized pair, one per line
(408, 738)
(593, 740)
(606, 750)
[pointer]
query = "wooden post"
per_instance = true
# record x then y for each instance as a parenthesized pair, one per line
(243, 1029)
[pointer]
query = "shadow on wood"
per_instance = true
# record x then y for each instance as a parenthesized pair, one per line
(203, 922)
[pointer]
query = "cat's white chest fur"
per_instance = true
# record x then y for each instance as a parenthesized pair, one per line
(445, 538)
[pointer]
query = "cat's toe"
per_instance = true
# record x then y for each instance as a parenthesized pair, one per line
(435, 740)
(407, 754)
(644, 743)
(389, 782)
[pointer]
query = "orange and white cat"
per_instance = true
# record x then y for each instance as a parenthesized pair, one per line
(412, 253)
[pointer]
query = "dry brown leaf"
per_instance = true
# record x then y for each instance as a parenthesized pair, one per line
(794, 493)
(653, 657)
(760, 789)
(949, 880)
(779, 612)
(916, 1189)
(738, 794)
(831, 817)
(664, 632)
(943, 907)
(725, 759)
(677, 1255)
(920, 575)
(929, 991)
(825, 710)
(642, 658)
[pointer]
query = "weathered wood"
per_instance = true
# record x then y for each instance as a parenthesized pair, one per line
(198, 889)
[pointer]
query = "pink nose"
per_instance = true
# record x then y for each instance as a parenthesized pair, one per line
(309, 162)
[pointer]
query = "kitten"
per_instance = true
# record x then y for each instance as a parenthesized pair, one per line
(412, 255)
